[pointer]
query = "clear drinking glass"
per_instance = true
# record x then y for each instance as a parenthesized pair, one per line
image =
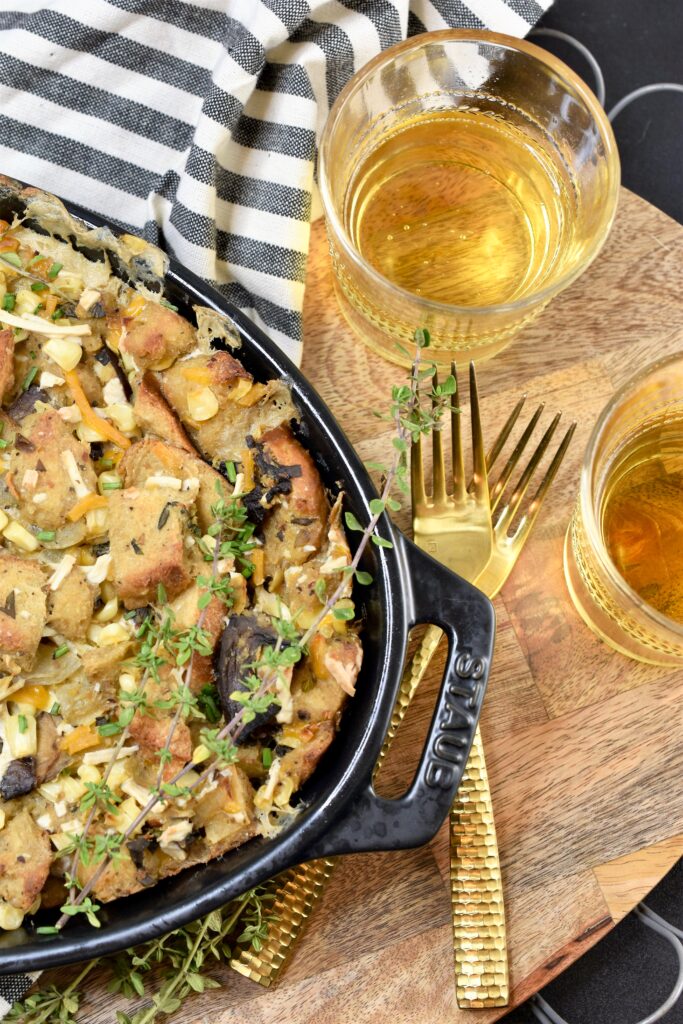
(649, 406)
(506, 92)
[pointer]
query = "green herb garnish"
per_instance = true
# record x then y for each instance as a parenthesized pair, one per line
(29, 378)
(54, 270)
(45, 535)
(22, 723)
(61, 651)
(38, 286)
(8, 301)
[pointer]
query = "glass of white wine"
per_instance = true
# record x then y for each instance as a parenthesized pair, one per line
(466, 179)
(623, 554)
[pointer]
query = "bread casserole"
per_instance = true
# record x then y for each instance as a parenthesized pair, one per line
(126, 434)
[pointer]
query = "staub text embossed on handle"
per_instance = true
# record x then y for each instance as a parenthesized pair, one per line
(456, 721)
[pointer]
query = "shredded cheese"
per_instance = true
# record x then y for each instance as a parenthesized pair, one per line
(89, 415)
(36, 325)
(172, 482)
(74, 473)
(61, 572)
(86, 504)
(97, 573)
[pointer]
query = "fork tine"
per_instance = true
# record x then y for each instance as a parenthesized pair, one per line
(511, 509)
(497, 446)
(480, 476)
(529, 519)
(459, 489)
(438, 468)
(509, 466)
(417, 484)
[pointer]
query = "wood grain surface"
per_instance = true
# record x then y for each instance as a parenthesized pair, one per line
(584, 748)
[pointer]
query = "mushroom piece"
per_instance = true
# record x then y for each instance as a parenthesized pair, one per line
(243, 639)
(25, 403)
(48, 754)
(19, 778)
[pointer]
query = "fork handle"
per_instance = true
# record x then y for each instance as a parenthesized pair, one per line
(479, 935)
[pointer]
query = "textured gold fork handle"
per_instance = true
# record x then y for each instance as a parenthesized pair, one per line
(295, 893)
(479, 938)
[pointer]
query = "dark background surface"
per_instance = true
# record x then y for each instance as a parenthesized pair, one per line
(636, 42)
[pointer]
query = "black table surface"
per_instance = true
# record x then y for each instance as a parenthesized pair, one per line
(636, 42)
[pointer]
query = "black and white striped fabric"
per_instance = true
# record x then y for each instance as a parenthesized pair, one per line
(195, 124)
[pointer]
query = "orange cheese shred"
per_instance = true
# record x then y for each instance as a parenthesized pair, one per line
(38, 696)
(86, 504)
(83, 737)
(90, 417)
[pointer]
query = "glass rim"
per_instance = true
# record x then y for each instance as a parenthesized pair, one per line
(588, 507)
(583, 91)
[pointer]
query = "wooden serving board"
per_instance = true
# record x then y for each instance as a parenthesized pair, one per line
(584, 748)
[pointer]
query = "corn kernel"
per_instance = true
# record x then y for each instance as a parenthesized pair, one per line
(118, 775)
(202, 404)
(114, 633)
(2, 818)
(65, 352)
(123, 416)
(200, 753)
(19, 535)
(126, 813)
(239, 390)
(127, 682)
(108, 612)
(4, 520)
(88, 773)
(86, 433)
(25, 301)
(73, 789)
(10, 916)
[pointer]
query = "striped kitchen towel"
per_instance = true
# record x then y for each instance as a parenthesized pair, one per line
(195, 124)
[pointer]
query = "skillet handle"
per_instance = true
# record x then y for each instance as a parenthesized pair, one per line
(372, 822)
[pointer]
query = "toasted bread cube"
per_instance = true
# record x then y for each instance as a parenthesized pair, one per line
(149, 458)
(156, 336)
(147, 530)
(70, 607)
(22, 610)
(153, 413)
(38, 467)
(6, 362)
(25, 857)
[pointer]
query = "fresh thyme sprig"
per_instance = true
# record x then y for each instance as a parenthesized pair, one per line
(179, 962)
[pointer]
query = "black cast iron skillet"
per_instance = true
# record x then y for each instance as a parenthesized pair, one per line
(341, 813)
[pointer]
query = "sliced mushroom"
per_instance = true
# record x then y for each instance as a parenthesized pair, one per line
(244, 637)
(48, 755)
(19, 778)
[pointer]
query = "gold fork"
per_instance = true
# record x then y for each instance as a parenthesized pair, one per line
(454, 528)
(479, 934)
